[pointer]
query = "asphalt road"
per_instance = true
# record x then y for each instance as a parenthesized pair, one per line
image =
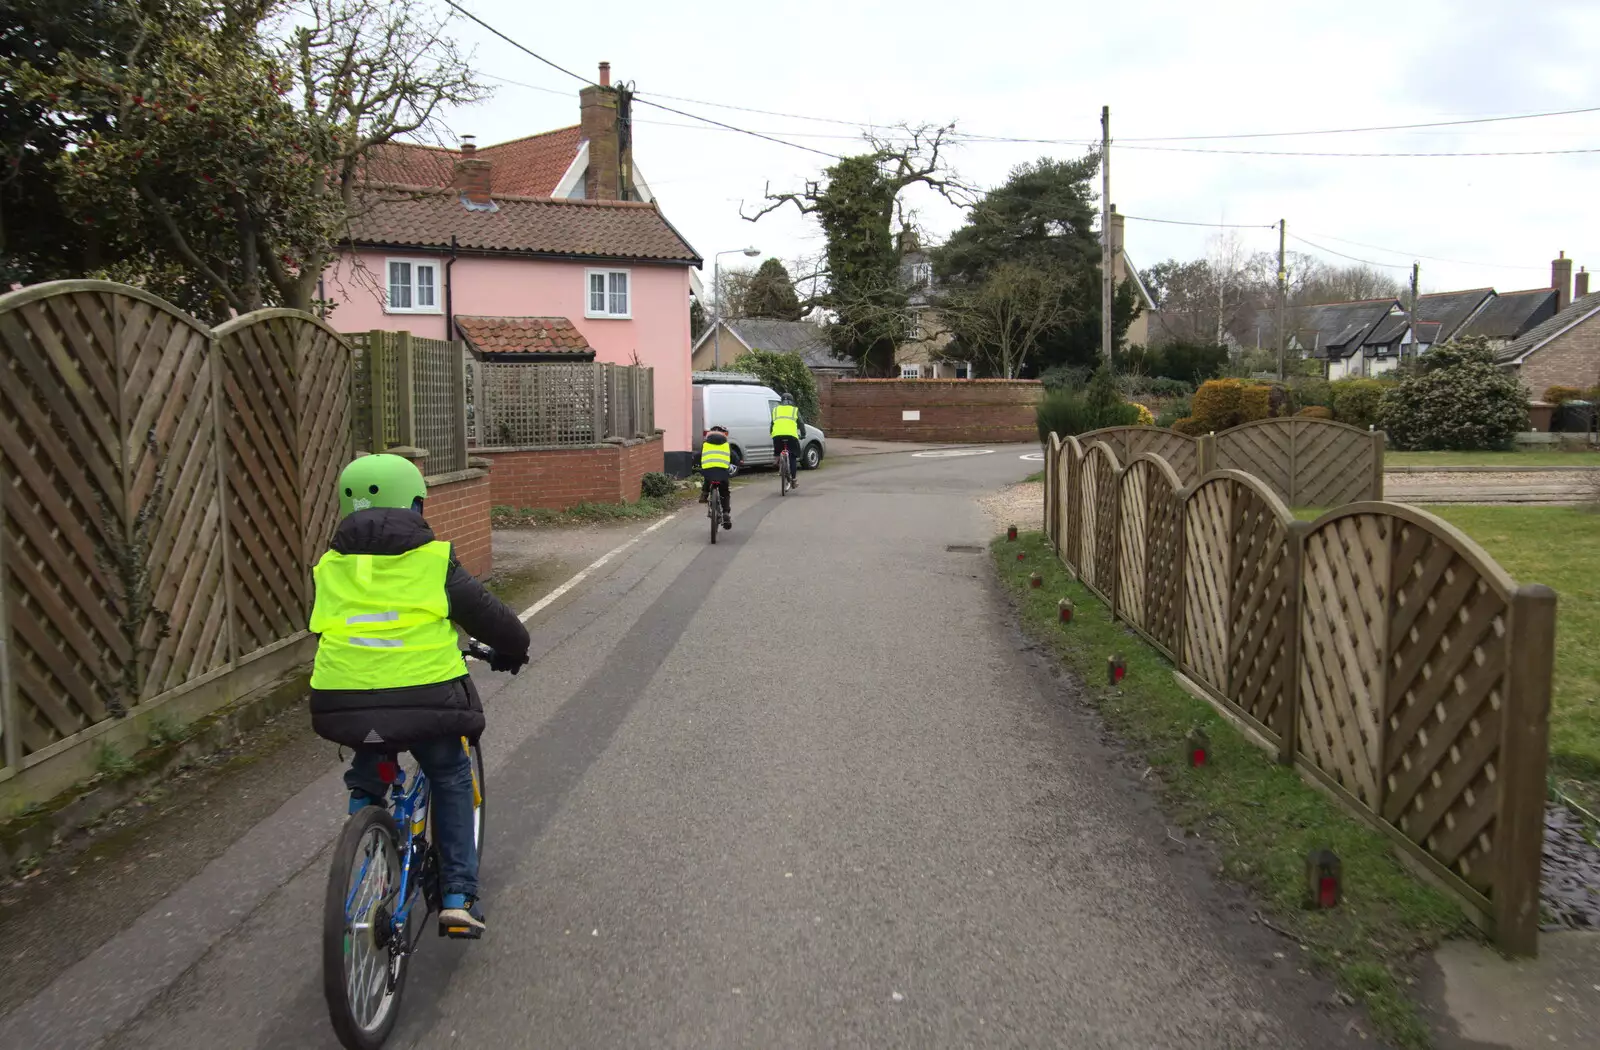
(804, 788)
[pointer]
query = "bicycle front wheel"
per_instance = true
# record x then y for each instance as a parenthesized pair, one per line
(363, 973)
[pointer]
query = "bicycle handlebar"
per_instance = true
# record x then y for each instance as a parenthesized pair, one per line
(478, 651)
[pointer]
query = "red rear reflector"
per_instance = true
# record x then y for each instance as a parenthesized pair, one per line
(388, 772)
(1328, 891)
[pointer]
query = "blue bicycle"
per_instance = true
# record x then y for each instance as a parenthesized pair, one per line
(382, 889)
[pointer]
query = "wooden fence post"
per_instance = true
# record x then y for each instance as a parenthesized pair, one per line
(405, 389)
(600, 402)
(1205, 456)
(219, 442)
(377, 369)
(1524, 750)
(458, 404)
(10, 739)
(1116, 545)
(1289, 727)
(1180, 648)
(1378, 442)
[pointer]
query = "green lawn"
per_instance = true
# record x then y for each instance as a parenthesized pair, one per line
(1444, 460)
(1559, 546)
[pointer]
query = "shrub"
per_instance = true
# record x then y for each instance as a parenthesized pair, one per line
(786, 373)
(1255, 402)
(1064, 377)
(1191, 426)
(1316, 412)
(1558, 395)
(1312, 391)
(656, 485)
(1457, 399)
(1071, 412)
(1175, 411)
(1187, 363)
(1355, 401)
(1162, 386)
(1216, 404)
(1146, 417)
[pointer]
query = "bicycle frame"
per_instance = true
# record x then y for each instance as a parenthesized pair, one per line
(405, 809)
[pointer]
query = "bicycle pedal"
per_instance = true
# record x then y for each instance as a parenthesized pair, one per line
(460, 933)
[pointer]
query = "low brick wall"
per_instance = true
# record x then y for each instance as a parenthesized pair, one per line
(958, 411)
(458, 509)
(558, 478)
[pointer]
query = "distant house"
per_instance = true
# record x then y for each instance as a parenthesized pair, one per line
(550, 245)
(738, 335)
(1511, 315)
(1564, 350)
(1361, 338)
(921, 355)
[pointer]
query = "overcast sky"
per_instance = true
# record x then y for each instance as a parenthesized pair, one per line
(1043, 70)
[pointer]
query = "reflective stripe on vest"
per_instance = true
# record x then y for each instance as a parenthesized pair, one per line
(715, 456)
(384, 620)
(785, 421)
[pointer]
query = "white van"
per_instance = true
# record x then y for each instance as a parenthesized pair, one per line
(744, 406)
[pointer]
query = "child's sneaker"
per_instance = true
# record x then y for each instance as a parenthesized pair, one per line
(359, 800)
(461, 918)
(727, 523)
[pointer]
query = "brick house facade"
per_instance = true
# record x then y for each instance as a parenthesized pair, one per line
(1563, 351)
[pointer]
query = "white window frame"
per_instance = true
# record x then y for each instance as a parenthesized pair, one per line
(588, 291)
(415, 264)
(911, 371)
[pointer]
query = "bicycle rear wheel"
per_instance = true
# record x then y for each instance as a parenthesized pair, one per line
(716, 512)
(363, 975)
(783, 473)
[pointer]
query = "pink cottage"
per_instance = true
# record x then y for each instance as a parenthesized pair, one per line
(548, 245)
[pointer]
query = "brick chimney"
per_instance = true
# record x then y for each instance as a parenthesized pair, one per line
(1561, 280)
(474, 176)
(1581, 286)
(608, 177)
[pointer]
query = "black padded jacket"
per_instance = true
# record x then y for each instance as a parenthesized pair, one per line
(395, 719)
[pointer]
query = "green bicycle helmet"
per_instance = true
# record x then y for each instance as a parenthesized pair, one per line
(380, 481)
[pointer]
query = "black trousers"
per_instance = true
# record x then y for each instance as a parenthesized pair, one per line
(793, 444)
(719, 478)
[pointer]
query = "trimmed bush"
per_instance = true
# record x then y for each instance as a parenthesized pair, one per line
(1356, 401)
(1191, 426)
(656, 485)
(1558, 395)
(1311, 391)
(1316, 412)
(1217, 404)
(1457, 399)
(1146, 417)
(1255, 402)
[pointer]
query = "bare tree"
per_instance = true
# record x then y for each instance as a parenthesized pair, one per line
(1002, 322)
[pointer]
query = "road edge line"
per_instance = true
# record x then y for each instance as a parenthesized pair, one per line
(543, 603)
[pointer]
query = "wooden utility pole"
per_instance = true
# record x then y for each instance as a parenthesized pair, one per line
(1107, 263)
(1283, 302)
(1416, 276)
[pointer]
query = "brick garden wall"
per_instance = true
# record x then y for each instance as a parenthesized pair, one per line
(1570, 359)
(958, 411)
(458, 509)
(558, 478)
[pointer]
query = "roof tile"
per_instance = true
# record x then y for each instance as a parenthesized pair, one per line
(1577, 311)
(525, 167)
(522, 335)
(400, 218)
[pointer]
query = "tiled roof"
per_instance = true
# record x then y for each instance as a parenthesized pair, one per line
(525, 167)
(523, 335)
(394, 217)
(1338, 327)
(1579, 311)
(1510, 314)
(808, 340)
(1451, 309)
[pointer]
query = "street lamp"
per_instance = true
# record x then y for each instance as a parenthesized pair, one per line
(716, 286)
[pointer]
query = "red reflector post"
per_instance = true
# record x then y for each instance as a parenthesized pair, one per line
(1323, 880)
(1035, 580)
(1116, 670)
(1022, 555)
(1198, 746)
(1011, 533)
(1064, 608)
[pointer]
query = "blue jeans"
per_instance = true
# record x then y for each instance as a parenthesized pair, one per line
(448, 768)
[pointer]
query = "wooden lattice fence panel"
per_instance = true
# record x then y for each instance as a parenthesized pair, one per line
(1345, 580)
(1207, 556)
(1097, 535)
(439, 400)
(1133, 543)
(1163, 558)
(1306, 462)
(1262, 584)
(1185, 454)
(1070, 547)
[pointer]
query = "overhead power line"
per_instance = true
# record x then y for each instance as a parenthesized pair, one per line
(1355, 131)
(1430, 258)
(1213, 225)
(516, 44)
(1352, 258)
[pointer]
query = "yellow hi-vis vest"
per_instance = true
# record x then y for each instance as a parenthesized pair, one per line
(713, 457)
(785, 421)
(384, 620)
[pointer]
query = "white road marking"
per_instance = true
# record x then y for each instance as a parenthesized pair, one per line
(1032, 457)
(951, 453)
(539, 606)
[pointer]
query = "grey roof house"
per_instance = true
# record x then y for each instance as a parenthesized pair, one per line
(1564, 350)
(740, 334)
(1511, 315)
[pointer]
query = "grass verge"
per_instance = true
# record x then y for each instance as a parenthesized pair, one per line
(1445, 460)
(1262, 818)
(590, 513)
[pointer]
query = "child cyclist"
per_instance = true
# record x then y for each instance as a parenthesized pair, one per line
(716, 459)
(389, 675)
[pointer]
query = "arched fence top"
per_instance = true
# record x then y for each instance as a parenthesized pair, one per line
(1160, 466)
(37, 292)
(238, 324)
(1070, 442)
(1106, 451)
(1055, 442)
(1487, 568)
(1106, 432)
(1280, 421)
(1255, 485)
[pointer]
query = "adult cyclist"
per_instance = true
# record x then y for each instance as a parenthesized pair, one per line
(389, 675)
(787, 426)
